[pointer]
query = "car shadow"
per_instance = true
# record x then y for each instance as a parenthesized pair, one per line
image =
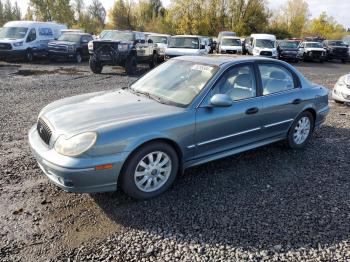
(258, 199)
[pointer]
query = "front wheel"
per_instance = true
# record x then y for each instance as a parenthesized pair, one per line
(131, 66)
(150, 171)
(78, 57)
(154, 61)
(301, 130)
(29, 55)
(95, 66)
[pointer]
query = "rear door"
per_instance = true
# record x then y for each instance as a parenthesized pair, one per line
(282, 98)
(224, 128)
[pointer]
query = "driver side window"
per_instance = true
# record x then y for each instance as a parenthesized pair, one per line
(238, 83)
(32, 35)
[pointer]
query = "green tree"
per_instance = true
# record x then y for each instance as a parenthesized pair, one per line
(327, 27)
(120, 15)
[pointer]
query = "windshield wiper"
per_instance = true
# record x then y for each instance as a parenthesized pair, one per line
(149, 95)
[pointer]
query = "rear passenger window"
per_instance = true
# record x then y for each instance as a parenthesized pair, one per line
(275, 78)
(238, 83)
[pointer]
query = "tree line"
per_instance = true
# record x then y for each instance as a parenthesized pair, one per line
(203, 17)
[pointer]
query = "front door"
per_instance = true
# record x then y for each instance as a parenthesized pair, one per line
(224, 128)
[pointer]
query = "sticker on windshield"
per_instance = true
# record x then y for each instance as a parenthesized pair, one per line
(202, 68)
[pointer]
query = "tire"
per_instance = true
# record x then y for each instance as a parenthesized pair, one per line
(78, 57)
(131, 66)
(154, 61)
(293, 134)
(29, 56)
(95, 66)
(153, 176)
(343, 61)
(338, 102)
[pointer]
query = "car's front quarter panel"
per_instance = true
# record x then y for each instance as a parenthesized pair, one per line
(178, 128)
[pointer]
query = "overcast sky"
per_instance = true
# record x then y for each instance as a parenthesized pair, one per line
(338, 9)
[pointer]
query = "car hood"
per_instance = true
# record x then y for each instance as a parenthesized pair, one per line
(231, 47)
(61, 43)
(109, 109)
(289, 49)
(181, 51)
(315, 49)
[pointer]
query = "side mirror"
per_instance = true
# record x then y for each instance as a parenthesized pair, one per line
(220, 100)
(202, 46)
(150, 41)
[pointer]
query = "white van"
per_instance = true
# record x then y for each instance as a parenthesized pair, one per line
(27, 39)
(262, 45)
(180, 45)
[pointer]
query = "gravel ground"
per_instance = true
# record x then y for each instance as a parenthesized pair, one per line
(269, 204)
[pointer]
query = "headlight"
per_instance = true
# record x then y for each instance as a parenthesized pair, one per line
(18, 44)
(123, 47)
(341, 82)
(75, 145)
(90, 45)
(256, 52)
(71, 48)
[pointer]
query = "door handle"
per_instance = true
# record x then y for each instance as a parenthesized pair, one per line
(252, 110)
(297, 101)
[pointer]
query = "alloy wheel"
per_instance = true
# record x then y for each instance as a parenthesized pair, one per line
(302, 130)
(153, 171)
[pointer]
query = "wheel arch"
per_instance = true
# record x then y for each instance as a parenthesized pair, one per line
(168, 141)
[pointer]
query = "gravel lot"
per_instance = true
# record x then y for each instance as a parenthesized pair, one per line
(269, 204)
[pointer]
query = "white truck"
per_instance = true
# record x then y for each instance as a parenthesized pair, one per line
(27, 39)
(181, 45)
(262, 45)
(230, 45)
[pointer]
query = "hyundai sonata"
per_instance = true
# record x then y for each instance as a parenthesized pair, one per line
(185, 112)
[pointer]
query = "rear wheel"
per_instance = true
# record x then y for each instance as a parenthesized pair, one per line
(150, 171)
(95, 66)
(301, 130)
(131, 65)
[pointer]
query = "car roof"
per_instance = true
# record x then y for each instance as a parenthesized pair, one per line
(194, 36)
(230, 37)
(219, 60)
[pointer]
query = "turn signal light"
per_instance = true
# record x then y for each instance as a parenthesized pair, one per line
(102, 167)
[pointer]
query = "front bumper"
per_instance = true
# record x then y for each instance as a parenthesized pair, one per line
(333, 55)
(287, 56)
(75, 174)
(341, 94)
(61, 54)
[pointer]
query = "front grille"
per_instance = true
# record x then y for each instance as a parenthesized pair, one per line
(5, 46)
(231, 51)
(44, 131)
(340, 50)
(58, 48)
(266, 53)
(316, 53)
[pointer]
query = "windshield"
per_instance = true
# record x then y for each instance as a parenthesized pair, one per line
(69, 38)
(265, 43)
(13, 32)
(289, 44)
(184, 42)
(314, 45)
(231, 42)
(159, 39)
(175, 82)
(115, 35)
(336, 43)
